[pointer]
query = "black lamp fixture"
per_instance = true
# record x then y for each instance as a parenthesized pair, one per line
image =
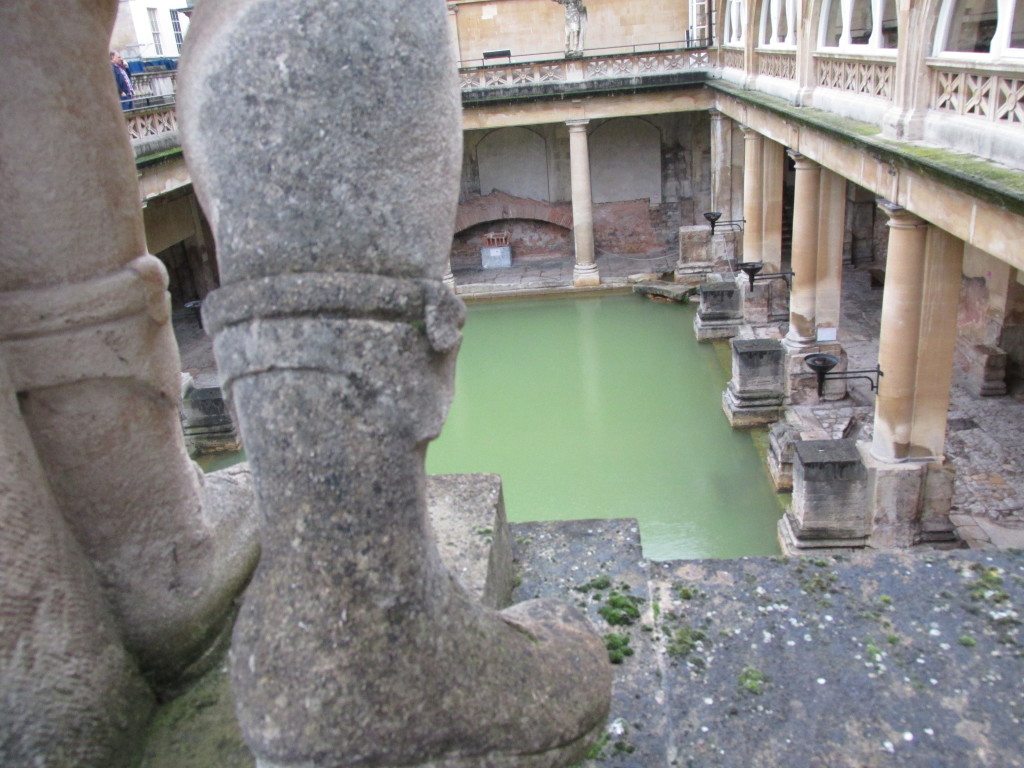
(752, 269)
(822, 365)
(713, 219)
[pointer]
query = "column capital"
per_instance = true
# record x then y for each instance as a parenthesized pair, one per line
(750, 134)
(715, 114)
(900, 217)
(802, 162)
(577, 125)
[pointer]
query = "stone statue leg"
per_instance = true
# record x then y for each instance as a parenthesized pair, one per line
(333, 198)
(69, 693)
(84, 321)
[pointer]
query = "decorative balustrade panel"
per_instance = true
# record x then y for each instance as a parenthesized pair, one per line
(777, 65)
(153, 122)
(867, 77)
(596, 68)
(731, 57)
(990, 96)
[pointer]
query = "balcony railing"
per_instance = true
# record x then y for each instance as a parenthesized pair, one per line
(989, 93)
(856, 73)
(624, 62)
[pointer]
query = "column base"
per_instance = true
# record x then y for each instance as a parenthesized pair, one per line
(585, 275)
(747, 410)
(792, 543)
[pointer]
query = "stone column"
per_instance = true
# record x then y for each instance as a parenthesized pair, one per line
(71, 694)
(85, 327)
(453, 32)
(829, 268)
(336, 342)
(802, 331)
(753, 195)
(899, 334)
(771, 226)
(585, 271)
(721, 163)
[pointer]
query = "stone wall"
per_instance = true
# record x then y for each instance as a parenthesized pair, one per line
(538, 26)
(650, 176)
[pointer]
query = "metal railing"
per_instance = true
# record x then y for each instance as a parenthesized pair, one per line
(616, 50)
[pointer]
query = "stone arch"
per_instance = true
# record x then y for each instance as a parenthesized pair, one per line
(498, 206)
(625, 161)
(513, 161)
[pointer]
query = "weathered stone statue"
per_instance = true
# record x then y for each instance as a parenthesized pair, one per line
(85, 329)
(324, 142)
(69, 694)
(575, 26)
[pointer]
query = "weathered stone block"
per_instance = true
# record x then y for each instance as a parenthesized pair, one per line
(754, 394)
(719, 315)
(801, 382)
(205, 418)
(496, 257)
(895, 498)
(829, 506)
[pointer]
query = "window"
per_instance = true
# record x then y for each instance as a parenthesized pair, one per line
(154, 26)
(868, 23)
(981, 27)
(179, 38)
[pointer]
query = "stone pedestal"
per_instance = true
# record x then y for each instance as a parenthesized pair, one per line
(205, 418)
(829, 509)
(720, 314)
(694, 262)
(754, 394)
(802, 383)
(986, 370)
(723, 248)
(909, 501)
(781, 438)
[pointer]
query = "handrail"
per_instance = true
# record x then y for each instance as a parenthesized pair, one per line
(532, 58)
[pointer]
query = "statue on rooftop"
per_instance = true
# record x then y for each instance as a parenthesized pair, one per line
(575, 26)
(336, 342)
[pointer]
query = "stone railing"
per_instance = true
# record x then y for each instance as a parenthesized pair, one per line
(996, 95)
(153, 121)
(868, 76)
(730, 57)
(154, 88)
(590, 68)
(780, 64)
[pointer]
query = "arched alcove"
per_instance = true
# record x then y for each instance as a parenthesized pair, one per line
(625, 161)
(514, 161)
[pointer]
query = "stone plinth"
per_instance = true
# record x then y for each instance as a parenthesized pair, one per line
(719, 315)
(755, 393)
(205, 418)
(701, 254)
(496, 256)
(986, 370)
(765, 303)
(909, 501)
(802, 383)
(781, 437)
(829, 508)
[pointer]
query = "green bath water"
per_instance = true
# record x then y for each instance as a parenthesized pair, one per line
(607, 407)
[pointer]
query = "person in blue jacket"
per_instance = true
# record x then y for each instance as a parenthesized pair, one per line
(123, 80)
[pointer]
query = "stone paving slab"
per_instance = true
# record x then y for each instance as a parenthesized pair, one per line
(871, 660)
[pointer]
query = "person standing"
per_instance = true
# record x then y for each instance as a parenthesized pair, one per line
(124, 81)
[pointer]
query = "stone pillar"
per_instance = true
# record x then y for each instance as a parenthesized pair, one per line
(771, 226)
(336, 342)
(753, 194)
(453, 32)
(585, 271)
(829, 267)
(911, 488)
(449, 277)
(721, 163)
(830, 487)
(899, 335)
(85, 327)
(755, 392)
(802, 330)
(72, 695)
